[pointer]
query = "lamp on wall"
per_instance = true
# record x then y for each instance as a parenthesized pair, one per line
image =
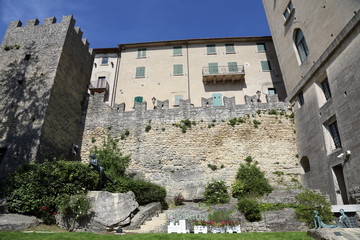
(153, 101)
(258, 93)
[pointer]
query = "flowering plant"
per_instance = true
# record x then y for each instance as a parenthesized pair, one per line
(199, 222)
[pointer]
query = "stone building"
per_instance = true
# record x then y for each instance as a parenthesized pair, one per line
(44, 76)
(317, 43)
(188, 69)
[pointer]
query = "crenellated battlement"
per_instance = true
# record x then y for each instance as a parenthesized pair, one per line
(17, 31)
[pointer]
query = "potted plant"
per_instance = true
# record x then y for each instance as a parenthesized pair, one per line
(200, 226)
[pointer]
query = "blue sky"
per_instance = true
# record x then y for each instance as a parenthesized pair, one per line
(107, 23)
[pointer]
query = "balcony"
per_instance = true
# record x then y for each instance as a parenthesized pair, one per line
(223, 74)
(99, 86)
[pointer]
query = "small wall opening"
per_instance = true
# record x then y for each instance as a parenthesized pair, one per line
(305, 164)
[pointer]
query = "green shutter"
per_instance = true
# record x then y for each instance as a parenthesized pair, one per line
(138, 99)
(211, 49)
(261, 47)
(265, 65)
(213, 68)
(141, 53)
(177, 50)
(230, 48)
(177, 99)
(178, 69)
(140, 72)
(233, 67)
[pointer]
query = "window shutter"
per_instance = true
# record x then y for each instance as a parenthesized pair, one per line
(140, 72)
(211, 49)
(177, 50)
(233, 67)
(213, 68)
(230, 48)
(138, 99)
(261, 47)
(178, 69)
(265, 65)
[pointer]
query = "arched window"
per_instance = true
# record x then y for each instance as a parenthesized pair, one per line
(305, 163)
(301, 45)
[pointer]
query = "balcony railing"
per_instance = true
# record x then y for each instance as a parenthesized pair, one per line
(99, 86)
(223, 74)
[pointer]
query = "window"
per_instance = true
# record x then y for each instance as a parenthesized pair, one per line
(104, 60)
(211, 49)
(213, 68)
(305, 163)
(265, 65)
(138, 99)
(177, 51)
(140, 72)
(233, 67)
(334, 131)
(230, 48)
(177, 99)
(271, 91)
(141, 53)
(301, 98)
(301, 45)
(101, 82)
(288, 10)
(178, 69)
(261, 47)
(326, 89)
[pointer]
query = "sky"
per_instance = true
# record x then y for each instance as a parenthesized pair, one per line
(107, 23)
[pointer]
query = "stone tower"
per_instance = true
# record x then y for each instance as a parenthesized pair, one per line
(44, 75)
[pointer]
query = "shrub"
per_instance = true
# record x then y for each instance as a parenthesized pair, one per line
(216, 192)
(179, 199)
(309, 201)
(237, 188)
(111, 158)
(248, 159)
(250, 208)
(145, 192)
(35, 189)
(220, 215)
(255, 183)
(75, 207)
(212, 167)
(272, 112)
(147, 128)
(256, 123)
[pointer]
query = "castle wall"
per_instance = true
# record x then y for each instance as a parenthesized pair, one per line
(179, 161)
(32, 69)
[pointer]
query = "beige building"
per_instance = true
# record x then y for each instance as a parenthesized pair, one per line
(189, 69)
(317, 43)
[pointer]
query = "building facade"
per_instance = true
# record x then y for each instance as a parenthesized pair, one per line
(317, 43)
(44, 75)
(189, 69)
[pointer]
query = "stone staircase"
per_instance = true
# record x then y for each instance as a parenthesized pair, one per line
(155, 225)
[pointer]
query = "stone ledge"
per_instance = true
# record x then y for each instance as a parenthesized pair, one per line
(335, 233)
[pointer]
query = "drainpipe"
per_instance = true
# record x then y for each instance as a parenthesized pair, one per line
(188, 71)
(116, 77)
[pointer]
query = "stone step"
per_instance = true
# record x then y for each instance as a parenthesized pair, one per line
(152, 225)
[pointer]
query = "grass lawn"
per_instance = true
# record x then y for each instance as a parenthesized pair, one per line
(154, 236)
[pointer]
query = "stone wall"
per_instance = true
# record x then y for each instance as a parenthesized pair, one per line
(180, 161)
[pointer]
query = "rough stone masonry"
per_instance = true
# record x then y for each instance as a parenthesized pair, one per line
(182, 162)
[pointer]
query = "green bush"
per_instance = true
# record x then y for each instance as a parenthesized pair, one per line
(309, 201)
(74, 207)
(255, 183)
(111, 158)
(216, 192)
(250, 208)
(145, 192)
(220, 215)
(36, 189)
(237, 188)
